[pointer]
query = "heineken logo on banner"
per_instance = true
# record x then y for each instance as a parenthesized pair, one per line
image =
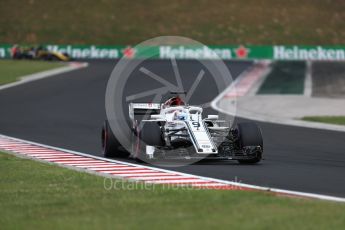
(129, 52)
(185, 52)
(242, 52)
(308, 53)
(86, 51)
(2, 52)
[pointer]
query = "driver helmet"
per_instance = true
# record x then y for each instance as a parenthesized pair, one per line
(182, 116)
(174, 101)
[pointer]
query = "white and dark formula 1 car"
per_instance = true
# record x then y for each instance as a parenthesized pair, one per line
(174, 130)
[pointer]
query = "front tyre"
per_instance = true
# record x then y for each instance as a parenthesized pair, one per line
(249, 135)
(149, 135)
(111, 147)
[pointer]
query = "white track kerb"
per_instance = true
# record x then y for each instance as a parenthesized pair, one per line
(130, 171)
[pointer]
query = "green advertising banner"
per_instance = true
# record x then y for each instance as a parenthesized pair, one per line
(278, 52)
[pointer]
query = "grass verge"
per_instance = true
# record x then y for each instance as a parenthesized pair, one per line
(313, 22)
(286, 77)
(35, 195)
(12, 70)
(337, 120)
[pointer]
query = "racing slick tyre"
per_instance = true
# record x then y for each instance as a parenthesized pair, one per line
(151, 134)
(111, 147)
(54, 58)
(148, 135)
(249, 134)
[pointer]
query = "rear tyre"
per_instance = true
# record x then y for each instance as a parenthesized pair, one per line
(249, 134)
(111, 147)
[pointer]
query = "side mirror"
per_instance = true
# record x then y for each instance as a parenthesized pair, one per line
(157, 117)
(212, 117)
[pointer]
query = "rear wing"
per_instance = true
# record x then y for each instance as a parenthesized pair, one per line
(143, 108)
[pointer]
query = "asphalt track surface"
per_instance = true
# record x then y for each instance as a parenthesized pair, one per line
(67, 111)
